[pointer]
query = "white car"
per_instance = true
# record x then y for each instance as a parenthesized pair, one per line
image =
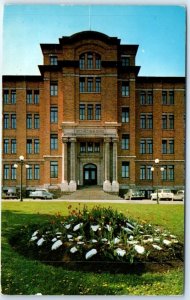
(163, 194)
(41, 194)
(179, 196)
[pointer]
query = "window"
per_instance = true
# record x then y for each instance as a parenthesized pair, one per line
(13, 172)
(146, 173)
(171, 97)
(82, 61)
(53, 141)
(164, 97)
(125, 89)
(142, 98)
(36, 146)
(125, 115)
(82, 112)
(90, 147)
(171, 121)
(36, 97)
(142, 147)
(90, 85)
(29, 173)
(6, 146)
(142, 172)
(98, 85)
(125, 142)
(146, 146)
(53, 60)
(164, 121)
(167, 121)
(82, 85)
(36, 121)
(125, 61)
(36, 172)
(164, 146)
(171, 146)
(146, 97)
(53, 114)
(143, 121)
(29, 121)
(54, 169)
(90, 112)
(125, 169)
(146, 121)
(168, 98)
(6, 121)
(6, 172)
(5, 96)
(29, 97)
(83, 147)
(168, 173)
(98, 111)
(149, 98)
(53, 88)
(13, 146)
(89, 61)
(96, 147)
(13, 121)
(168, 146)
(13, 96)
(98, 61)
(29, 146)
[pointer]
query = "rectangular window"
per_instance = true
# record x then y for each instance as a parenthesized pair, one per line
(36, 146)
(125, 169)
(149, 175)
(150, 98)
(171, 173)
(143, 121)
(98, 112)
(164, 173)
(82, 147)
(89, 85)
(13, 96)
(125, 115)
(125, 61)
(13, 121)
(125, 142)
(82, 112)
(29, 173)
(82, 85)
(36, 172)
(125, 89)
(53, 60)
(6, 121)
(149, 121)
(53, 114)
(89, 61)
(82, 62)
(96, 147)
(36, 121)
(29, 121)
(164, 121)
(171, 121)
(142, 147)
(171, 146)
(6, 146)
(36, 97)
(6, 172)
(6, 96)
(29, 97)
(54, 169)
(143, 172)
(164, 97)
(142, 98)
(164, 146)
(149, 146)
(171, 97)
(29, 146)
(54, 141)
(98, 85)
(13, 146)
(13, 172)
(90, 112)
(90, 147)
(98, 62)
(53, 88)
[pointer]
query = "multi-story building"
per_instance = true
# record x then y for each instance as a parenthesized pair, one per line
(90, 119)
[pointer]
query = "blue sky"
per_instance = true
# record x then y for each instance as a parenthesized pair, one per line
(158, 30)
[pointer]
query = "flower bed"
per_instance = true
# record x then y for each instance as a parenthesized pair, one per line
(99, 235)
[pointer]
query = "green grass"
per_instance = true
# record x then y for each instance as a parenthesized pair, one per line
(21, 275)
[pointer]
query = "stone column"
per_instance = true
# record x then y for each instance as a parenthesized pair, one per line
(72, 183)
(64, 183)
(107, 183)
(115, 184)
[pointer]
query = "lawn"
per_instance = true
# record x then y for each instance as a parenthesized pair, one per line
(23, 276)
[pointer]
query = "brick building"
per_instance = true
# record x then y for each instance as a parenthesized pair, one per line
(90, 119)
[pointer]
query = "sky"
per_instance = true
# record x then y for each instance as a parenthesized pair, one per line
(159, 31)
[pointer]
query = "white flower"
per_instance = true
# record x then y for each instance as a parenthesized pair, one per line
(56, 245)
(95, 227)
(127, 229)
(69, 236)
(73, 250)
(78, 238)
(67, 226)
(58, 233)
(130, 226)
(54, 240)
(166, 242)
(156, 247)
(35, 233)
(132, 242)
(94, 241)
(139, 249)
(77, 227)
(131, 237)
(172, 236)
(108, 227)
(34, 238)
(70, 240)
(116, 240)
(157, 240)
(104, 240)
(120, 252)
(174, 241)
(90, 253)
(40, 241)
(80, 243)
(149, 240)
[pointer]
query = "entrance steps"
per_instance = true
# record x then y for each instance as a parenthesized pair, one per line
(90, 193)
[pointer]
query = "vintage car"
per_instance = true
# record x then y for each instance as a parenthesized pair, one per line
(163, 194)
(41, 194)
(179, 196)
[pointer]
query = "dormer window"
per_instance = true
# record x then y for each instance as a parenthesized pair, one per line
(90, 61)
(53, 60)
(125, 61)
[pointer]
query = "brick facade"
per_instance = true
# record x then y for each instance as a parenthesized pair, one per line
(90, 119)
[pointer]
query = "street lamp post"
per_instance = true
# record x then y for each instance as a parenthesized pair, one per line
(157, 176)
(21, 158)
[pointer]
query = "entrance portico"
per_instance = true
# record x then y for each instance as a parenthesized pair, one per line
(89, 156)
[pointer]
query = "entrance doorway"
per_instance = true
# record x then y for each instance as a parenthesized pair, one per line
(90, 174)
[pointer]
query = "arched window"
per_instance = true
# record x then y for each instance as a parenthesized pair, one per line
(90, 60)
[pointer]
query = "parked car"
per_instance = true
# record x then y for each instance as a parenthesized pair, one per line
(10, 194)
(133, 194)
(41, 194)
(163, 194)
(179, 196)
